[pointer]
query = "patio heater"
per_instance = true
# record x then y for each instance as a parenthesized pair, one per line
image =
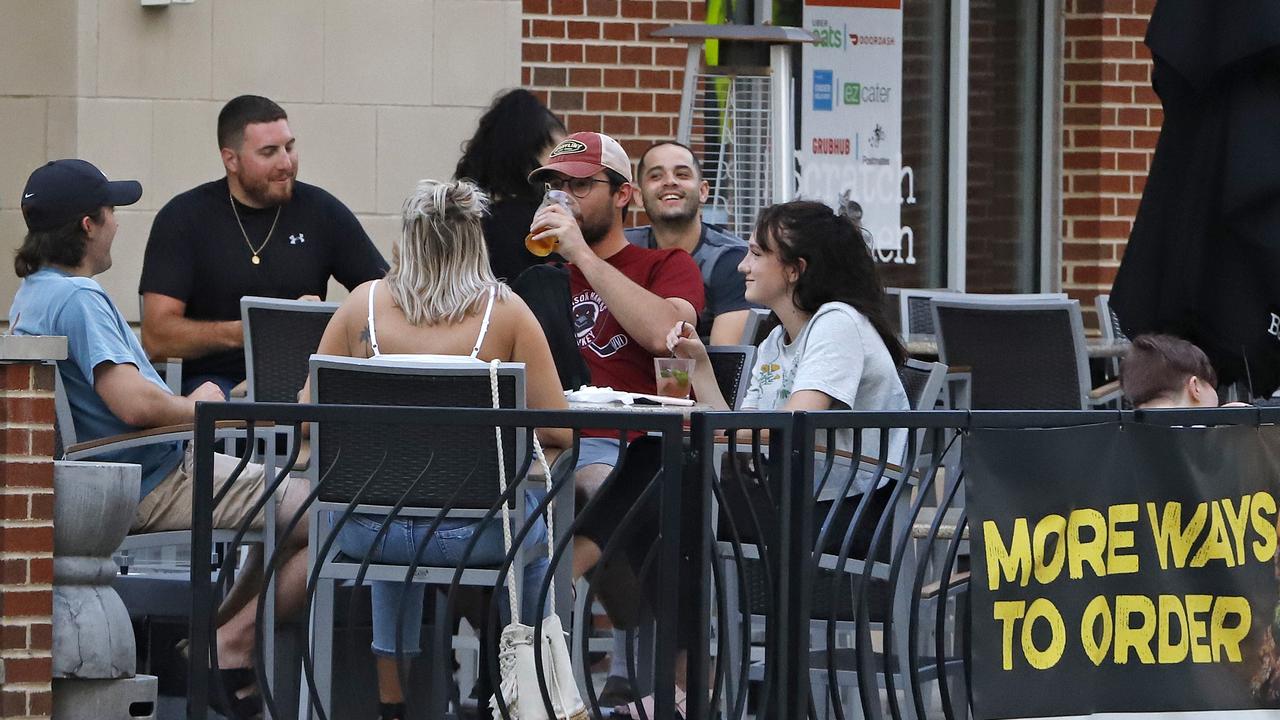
(739, 120)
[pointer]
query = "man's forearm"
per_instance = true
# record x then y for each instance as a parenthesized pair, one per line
(185, 338)
(645, 316)
(164, 409)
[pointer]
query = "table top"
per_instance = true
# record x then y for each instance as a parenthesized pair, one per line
(927, 346)
(685, 410)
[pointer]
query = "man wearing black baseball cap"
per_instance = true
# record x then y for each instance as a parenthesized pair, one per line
(111, 386)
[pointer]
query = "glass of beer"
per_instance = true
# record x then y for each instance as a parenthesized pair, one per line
(545, 246)
(672, 375)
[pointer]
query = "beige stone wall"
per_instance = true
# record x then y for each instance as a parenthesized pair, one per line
(379, 93)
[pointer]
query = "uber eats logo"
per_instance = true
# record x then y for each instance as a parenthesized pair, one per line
(828, 35)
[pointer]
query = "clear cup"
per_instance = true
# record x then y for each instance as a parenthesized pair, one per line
(673, 376)
(543, 247)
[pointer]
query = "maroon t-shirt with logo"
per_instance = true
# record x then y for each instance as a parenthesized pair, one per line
(616, 359)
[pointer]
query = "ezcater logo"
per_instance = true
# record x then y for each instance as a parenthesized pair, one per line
(858, 93)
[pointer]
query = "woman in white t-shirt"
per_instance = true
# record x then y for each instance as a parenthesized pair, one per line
(834, 347)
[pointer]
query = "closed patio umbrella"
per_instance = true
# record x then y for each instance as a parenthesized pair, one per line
(1203, 259)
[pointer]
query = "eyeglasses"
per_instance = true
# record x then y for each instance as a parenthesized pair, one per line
(580, 187)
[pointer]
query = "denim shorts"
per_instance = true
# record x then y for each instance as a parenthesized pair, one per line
(445, 548)
(597, 451)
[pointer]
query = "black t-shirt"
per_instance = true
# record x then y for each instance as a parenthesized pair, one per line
(197, 254)
(505, 228)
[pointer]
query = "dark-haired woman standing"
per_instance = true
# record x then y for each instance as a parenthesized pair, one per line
(513, 138)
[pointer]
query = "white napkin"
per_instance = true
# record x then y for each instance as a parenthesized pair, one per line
(604, 395)
(592, 394)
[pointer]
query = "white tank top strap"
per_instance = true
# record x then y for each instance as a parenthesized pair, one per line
(484, 324)
(373, 333)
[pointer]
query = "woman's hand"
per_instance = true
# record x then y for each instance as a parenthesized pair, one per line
(683, 342)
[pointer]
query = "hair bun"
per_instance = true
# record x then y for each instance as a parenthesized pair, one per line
(453, 201)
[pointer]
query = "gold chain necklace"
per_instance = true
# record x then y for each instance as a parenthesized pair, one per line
(255, 259)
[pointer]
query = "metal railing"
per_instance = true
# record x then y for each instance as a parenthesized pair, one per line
(803, 566)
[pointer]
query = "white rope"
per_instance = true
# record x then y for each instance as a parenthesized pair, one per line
(506, 512)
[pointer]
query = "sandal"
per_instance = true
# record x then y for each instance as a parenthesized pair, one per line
(632, 710)
(616, 691)
(234, 681)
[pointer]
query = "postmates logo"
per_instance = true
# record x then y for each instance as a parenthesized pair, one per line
(569, 147)
(823, 89)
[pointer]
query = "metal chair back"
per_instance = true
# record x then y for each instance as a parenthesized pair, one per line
(910, 307)
(757, 327)
(279, 336)
(1108, 321)
(1021, 353)
(923, 382)
(732, 367)
(461, 467)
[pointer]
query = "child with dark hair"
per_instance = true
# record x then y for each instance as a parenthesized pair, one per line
(1163, 371)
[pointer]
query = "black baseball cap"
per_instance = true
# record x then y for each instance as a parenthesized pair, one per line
(63, 191)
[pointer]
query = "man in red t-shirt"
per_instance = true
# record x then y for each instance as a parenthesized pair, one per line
(625, 298)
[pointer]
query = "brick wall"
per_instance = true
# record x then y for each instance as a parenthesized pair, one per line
(26, 540)
(593, 63)
(1111, 119)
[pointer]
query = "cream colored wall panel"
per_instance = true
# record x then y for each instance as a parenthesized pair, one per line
(184, 148)
(417, 143)
(337, 150)
(38, 47)
(22, 151)
(61, 128)
(116, 135)
(87, 48)
(272, 48)
(157, 52)
(383, 230)
(121, 281)
(476, 52)
(12, 231)
(378, 52)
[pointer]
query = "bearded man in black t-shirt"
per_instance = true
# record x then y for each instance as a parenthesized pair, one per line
(258, 231)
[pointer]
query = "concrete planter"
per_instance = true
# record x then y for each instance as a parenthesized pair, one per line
(94, 505)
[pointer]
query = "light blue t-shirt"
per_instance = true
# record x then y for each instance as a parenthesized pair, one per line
(51, 302)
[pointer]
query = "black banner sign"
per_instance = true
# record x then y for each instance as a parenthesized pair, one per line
(1123, 569)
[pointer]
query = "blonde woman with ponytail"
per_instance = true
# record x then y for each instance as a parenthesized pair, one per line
(439, 301)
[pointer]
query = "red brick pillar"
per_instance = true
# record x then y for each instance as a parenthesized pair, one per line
(594, 64)
(1111, 119)
(26, 527)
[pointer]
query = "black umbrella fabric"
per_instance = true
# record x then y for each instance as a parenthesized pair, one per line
(1203, 259)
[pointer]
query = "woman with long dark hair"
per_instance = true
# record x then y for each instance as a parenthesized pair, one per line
(512, 140)
(833, 348)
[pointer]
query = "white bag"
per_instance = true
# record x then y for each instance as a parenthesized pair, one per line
(516, 662)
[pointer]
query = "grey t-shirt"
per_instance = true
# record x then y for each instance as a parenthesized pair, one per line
(838, 353)
(718, 254)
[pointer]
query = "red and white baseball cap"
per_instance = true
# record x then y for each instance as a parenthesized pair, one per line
(584, 154)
